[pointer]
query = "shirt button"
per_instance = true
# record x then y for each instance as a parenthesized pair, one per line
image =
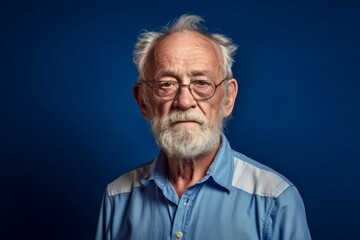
(179, 235)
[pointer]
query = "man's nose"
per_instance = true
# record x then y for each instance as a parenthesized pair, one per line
(185, 100)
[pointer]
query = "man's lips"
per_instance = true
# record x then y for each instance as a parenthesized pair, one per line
(185, 121)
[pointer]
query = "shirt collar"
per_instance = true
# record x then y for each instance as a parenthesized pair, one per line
(221, 169)
(157, 172)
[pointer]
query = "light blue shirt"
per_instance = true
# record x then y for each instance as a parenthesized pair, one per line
(238, 198)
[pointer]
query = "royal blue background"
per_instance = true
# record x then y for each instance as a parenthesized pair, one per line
(69, 124)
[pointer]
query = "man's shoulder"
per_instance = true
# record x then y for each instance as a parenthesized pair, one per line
(129, 180)
(256, 178)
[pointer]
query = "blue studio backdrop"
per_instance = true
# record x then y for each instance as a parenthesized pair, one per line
(69, 123)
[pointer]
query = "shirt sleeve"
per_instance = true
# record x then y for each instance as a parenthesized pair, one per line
(286, 218)
(103, 231)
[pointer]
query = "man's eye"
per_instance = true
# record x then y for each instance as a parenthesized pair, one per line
(202, 83)
(163, 85)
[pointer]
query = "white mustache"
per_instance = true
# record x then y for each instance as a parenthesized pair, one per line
(178, 116)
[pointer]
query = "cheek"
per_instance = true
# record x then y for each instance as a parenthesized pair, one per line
(214, 112)
(210, 110)
(160, 107)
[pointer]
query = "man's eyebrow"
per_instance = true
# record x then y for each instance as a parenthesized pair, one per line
(198, 73)
(191, 73)
(166, 74)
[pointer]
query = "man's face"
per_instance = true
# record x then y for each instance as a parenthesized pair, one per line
(184, 126)
(184, 57)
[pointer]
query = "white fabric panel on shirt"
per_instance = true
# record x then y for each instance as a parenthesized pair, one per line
(255, 180)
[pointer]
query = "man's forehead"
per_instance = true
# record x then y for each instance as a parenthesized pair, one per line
(202, 66)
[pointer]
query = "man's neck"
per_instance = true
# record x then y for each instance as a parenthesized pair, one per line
(183, 174)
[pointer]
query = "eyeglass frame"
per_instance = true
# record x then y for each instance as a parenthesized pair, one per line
(184, 85)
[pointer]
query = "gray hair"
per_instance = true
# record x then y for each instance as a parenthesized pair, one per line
(148, 39)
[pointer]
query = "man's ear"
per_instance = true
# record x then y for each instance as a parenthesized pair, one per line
(229, 100)
(139, 97)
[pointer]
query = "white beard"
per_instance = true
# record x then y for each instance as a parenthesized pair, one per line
(187, 142)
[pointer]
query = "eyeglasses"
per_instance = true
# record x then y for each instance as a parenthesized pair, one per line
(169, 90)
